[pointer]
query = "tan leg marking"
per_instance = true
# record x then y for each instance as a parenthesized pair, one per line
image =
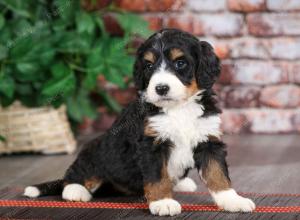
(92, 184)
(159, 190)
(215, 178)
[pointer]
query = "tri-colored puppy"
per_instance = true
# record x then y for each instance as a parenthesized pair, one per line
(172, 127)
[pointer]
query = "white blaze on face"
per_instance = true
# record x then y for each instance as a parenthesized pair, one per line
(177, 90)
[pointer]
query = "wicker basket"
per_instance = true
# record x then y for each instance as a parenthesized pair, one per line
(44, 130)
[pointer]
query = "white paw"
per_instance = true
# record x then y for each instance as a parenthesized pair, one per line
(185, 185)
(32, 192)
(76, 192)
(230, 201)
(165, 207)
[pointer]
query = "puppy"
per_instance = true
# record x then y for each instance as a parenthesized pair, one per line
(172, 127)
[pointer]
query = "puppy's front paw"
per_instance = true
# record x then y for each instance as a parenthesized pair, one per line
(230, 201)
(185, 185)
(165, 207)
(76, 192)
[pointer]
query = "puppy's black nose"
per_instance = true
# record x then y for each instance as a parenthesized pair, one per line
(162, 89)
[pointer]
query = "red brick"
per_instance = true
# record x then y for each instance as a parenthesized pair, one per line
(222, 25)
(246, 5)
(181, 22)
(155, 23)
(207, 5)
(234, 121)
(222, 50)
(226, 73)
(281, 96)
(258, 73)
(280, 5)
(165, 5)
(218, 90)
(123, 97)
(249, 48)
(270, 120)
(241, 96)
(273, 24)
(286, 48)
(295, 74)
(132, 5)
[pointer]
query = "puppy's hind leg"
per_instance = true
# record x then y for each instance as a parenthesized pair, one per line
(81, 192)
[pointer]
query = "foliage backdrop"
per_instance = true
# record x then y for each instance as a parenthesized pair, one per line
(51, 52)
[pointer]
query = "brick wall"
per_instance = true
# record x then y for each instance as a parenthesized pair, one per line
(259, 43)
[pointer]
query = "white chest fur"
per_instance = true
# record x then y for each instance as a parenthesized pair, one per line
(185, 127)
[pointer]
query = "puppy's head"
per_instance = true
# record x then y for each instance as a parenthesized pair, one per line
(172, 66)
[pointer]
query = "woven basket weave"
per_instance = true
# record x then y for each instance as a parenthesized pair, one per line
(43, 129)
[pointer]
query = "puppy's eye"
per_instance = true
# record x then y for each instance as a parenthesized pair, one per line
(149, 65)
(180, 64)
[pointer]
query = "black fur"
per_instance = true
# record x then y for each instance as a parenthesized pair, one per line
(124, 156)
(50, 188)
(209, 102)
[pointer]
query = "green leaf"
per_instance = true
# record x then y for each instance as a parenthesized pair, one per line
(63, 85)
(27, 68)
(66, 9)
(113, 75)
(6, 35)
(71, 42)
(90, 81)
(17, 6)
(21, 48)
(2, 139)
(7, 85)
(100, 24)
(3, 52)
(115, 106)
(47, 56)
(84, 22)
(80, 106)
(2, 21)
(59, 25)
(60, 70)
(133, 24)
(95, 66)
(24, 89)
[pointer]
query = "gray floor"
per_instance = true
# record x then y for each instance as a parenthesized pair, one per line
(258, 163)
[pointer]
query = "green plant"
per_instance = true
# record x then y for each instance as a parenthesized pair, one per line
(51, 52)
(2, 139)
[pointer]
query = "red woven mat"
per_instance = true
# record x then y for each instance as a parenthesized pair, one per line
(197, 205)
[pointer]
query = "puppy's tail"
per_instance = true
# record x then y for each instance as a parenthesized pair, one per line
(44, 189)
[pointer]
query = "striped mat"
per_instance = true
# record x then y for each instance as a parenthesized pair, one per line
(196, 205)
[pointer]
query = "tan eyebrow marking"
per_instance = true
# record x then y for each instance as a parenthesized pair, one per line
(149, 56)
(175, 53)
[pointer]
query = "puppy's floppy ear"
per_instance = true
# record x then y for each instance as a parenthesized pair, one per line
(138, 76)
(207, 65)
